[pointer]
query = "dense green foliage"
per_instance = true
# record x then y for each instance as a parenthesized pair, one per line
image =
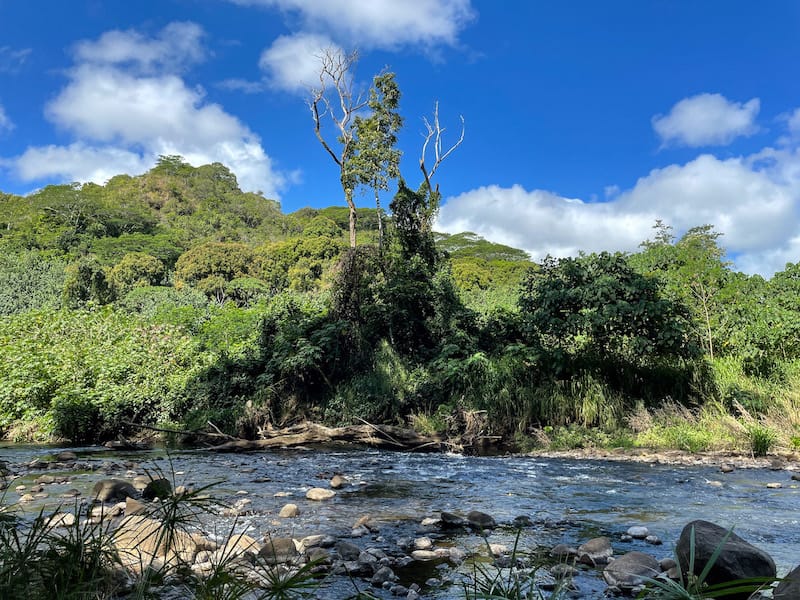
(174, 298)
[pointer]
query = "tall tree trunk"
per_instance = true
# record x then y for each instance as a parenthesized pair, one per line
(348, 195)
(380, 220)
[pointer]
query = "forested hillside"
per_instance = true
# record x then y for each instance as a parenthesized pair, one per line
(173, 299)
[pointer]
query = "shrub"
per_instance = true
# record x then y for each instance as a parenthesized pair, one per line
(762, 439)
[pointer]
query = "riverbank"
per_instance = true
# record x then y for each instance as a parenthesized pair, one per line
(781, 461)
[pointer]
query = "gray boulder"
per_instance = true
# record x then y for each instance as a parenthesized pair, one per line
(278, 550)
(113, 490)
(789, 588)
(738, 559)
(480, 520)
(630, 571)
(595, 552)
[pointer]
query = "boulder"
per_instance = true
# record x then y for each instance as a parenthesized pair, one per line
(738, 559)
(638, 533)
(789, 588)
(595, 552)
(113, 490)
(140, 542)
(630, 570)
(480, 520)
(278, 551)
(289, 511)
(348, 551)
(450, 520)
(157, 488)
(66, 456)
(382, 576)
(320, 494)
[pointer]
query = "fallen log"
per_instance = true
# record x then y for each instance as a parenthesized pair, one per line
(388, 437)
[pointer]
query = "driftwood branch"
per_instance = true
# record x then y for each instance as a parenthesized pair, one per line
(386, 436)
(211, 434)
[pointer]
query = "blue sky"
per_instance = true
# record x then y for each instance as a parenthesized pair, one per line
(585, 120)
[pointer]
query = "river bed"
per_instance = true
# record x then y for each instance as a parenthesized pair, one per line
(568, 500)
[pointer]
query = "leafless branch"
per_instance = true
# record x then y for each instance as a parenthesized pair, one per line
(435, 132)
(335, 72)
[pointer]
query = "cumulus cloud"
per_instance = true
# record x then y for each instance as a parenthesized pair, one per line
(707, 120)
(293, 63)
(385, 24)
(5, 122)
(125, 104)
(753, 201)
(175, 47)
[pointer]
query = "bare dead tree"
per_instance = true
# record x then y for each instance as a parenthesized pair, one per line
(336, 99)
(435, 134)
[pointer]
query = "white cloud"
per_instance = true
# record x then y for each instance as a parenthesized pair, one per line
(78, 162)
(752, 201)
(707, 120)
(5, 122)
(385, 24)
(293, 62)
(176, 46)
(124, 108)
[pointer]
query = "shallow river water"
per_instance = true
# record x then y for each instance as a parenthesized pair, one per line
(568, 500)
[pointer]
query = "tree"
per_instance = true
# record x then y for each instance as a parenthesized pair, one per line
(597, 307)
(435, 134)
(375, 160)
(336, 98)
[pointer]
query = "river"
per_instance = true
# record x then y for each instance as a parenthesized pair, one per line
(568, 500)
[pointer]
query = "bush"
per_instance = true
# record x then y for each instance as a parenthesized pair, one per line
(762, 439)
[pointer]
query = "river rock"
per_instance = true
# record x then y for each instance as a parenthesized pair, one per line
(237, 545)
(424, 555)
(638, 533)
(451, 520)
(113, 490)
(157, 488)
(134, 507)
(629, 571)
(278, 551)
(480, 520)
(796, 477)
(44, 479)
(140, 541)
(726, 468)
(789, 588)
(563, 571)
(653, 540)
(348, 551)
(383, 575)
(563, 551)
(595, 552)
(338, 482)
(423, 543)
(522, 521)
(289, 511)
(61, 519)
(320, 494)
(66, 456)
(738, 559)
(775, 485)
